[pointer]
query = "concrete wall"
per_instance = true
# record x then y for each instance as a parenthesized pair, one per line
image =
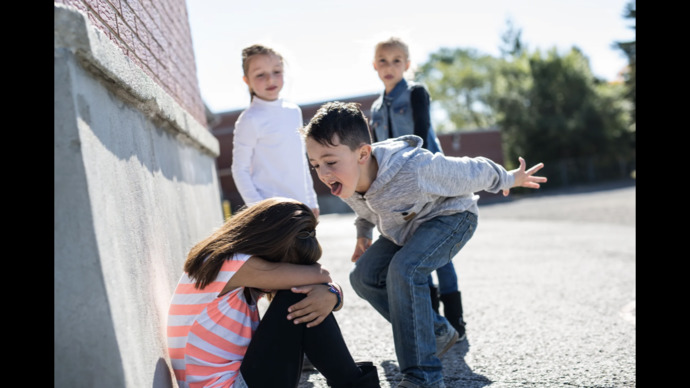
(135, 187)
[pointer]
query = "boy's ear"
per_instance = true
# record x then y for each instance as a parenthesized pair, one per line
(364, 153)
(374, 64)
(245, 79)
(407, 65)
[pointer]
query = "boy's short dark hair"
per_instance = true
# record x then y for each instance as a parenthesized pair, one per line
(339, 118)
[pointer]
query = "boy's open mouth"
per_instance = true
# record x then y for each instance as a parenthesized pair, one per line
(336, 188)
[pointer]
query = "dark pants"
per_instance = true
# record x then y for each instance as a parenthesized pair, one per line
(275, 354)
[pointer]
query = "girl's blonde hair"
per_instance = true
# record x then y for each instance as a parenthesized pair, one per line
(249, 52)
(393, 42)
(275, 229)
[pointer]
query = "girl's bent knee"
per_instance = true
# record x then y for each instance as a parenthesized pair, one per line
(287, 297)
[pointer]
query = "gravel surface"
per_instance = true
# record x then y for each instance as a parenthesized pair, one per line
(548, 287)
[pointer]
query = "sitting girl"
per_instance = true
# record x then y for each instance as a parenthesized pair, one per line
(215, 335)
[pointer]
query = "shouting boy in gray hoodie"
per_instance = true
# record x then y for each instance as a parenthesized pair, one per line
(425, 210)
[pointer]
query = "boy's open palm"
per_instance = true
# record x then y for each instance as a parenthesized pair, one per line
(525, 178)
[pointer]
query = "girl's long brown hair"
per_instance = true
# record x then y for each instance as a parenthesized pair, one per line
(275, 229)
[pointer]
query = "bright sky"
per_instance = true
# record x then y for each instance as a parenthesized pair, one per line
(329, 45)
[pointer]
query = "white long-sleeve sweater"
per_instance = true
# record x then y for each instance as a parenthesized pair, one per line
(268, 156)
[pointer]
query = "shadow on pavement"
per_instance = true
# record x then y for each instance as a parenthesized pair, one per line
(455, 370)
(457, 373)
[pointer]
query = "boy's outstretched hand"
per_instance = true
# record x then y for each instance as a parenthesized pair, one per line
(524, 178)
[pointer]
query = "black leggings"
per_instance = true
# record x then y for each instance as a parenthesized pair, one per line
(275, 354)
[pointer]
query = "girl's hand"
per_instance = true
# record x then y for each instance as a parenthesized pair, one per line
(524, 178)
(313, 309)
(363, 244)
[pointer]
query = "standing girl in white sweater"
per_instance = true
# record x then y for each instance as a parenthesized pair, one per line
(268, 157)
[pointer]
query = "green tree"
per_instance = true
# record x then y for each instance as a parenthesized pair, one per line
(552, 109)
(511, 43)
(548, 106)
(458, 83)
(628, 48)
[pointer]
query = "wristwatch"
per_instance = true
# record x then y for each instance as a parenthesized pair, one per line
(332, 288)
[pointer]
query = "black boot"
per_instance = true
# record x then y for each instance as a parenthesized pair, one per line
(433, 291)
(368, 379)
(452, 310)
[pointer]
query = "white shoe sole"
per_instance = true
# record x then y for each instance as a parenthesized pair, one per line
(448, 345)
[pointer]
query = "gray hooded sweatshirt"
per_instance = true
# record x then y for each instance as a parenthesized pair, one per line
(413, 186)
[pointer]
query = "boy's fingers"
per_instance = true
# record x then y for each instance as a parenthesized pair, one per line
(533, 178)
(522, 163)
(535, 168)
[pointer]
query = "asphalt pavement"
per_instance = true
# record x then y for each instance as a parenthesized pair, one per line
(548, 287)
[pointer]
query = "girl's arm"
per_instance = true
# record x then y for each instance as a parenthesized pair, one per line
(419, 101)
(245, 138)
(266, 275)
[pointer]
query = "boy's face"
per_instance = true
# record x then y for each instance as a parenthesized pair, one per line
(339, 167)
(391, 63)
(265, 76)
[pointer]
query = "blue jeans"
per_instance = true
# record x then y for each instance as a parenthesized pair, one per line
(394, 280)
(447, 279)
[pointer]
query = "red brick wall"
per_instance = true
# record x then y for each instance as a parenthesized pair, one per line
(154, 34)
(485, 143)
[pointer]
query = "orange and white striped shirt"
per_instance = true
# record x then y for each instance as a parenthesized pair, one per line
(208, 334)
